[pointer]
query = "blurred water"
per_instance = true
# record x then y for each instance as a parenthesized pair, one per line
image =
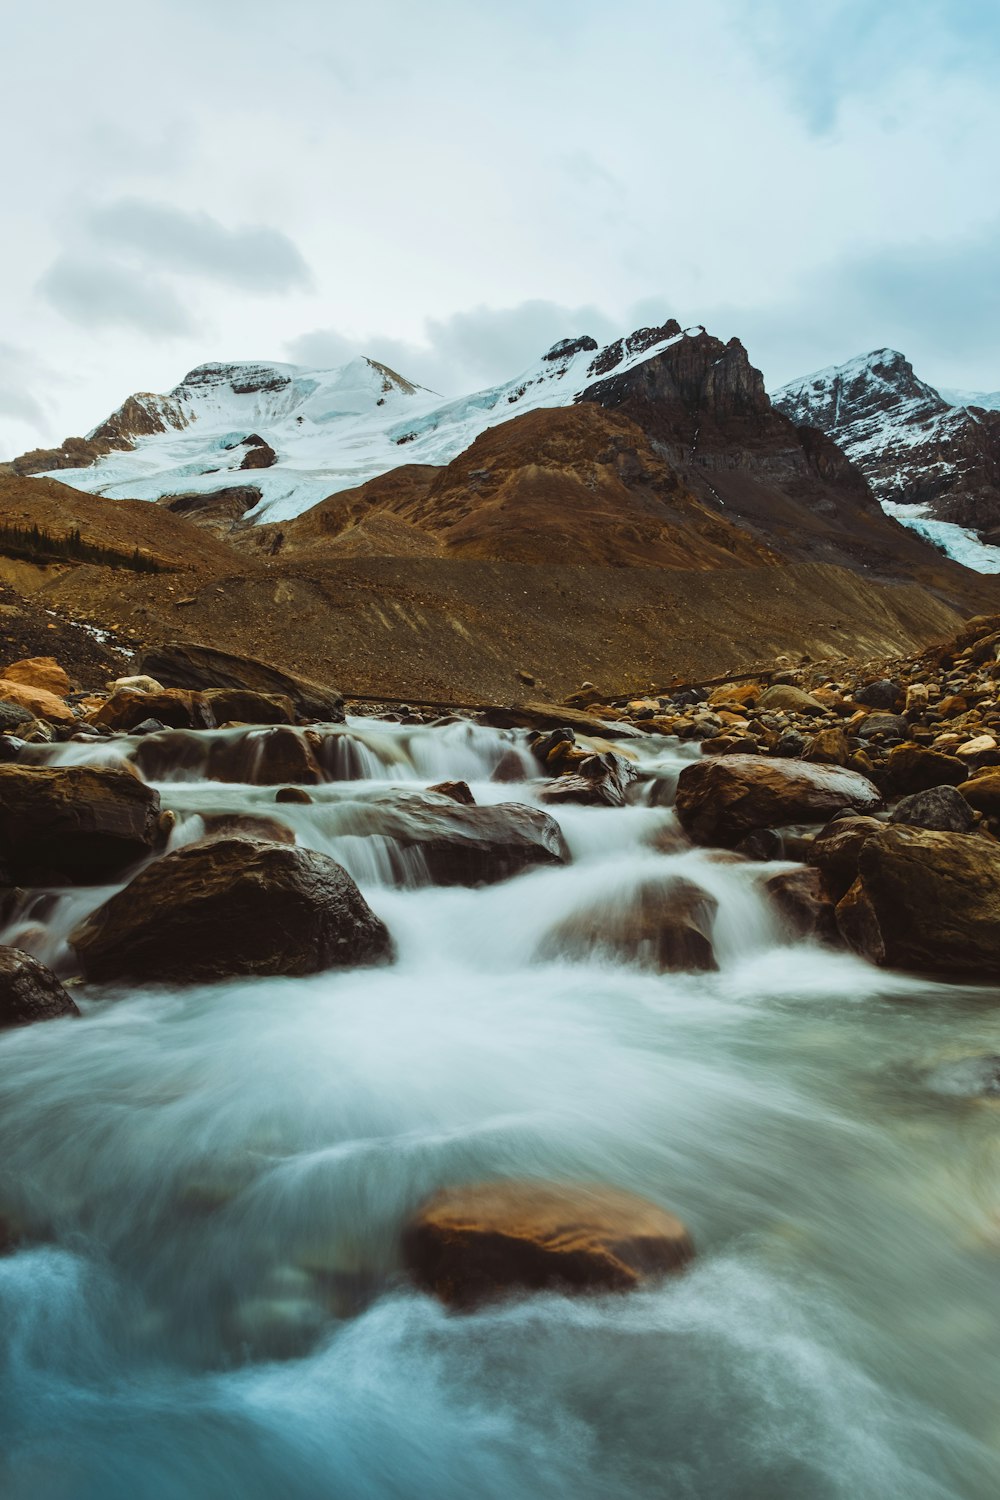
(213, 1182)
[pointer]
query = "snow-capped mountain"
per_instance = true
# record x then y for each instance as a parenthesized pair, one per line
(933, 462)
(310, 433)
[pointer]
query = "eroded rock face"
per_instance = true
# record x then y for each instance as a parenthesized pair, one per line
(29, 991)
(926, 901)
(231, 906)
(477, 1243)
(664, 925)
(74, 824)
(722, 799)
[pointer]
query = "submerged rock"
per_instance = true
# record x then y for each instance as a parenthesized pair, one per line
(663, 924)
(231, 906)
(463, 845)
(721, 799)
(926, 901)
(74, 824)
(29, 991)
(477, 1243)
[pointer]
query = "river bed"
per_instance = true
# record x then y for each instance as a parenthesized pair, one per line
(211, 1305)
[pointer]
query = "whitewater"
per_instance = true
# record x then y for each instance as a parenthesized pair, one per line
(211, 1303)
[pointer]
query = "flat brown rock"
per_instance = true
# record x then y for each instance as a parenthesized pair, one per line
(485, 1240)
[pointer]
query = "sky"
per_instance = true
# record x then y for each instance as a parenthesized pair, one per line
(450, 187)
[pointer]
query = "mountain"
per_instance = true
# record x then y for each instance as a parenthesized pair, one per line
(937, 458)
(309, 433)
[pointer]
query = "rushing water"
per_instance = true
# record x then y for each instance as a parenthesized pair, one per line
(211, 1305)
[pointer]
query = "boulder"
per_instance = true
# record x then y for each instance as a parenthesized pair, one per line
(474, 1244)
(835, 850)
(40, 703)
(883, 726)
(174, 707)
(915, 768)
(184, 664)
(461, 845)
(39, 672)
(509, 768)
(983, 792)
(788, 699)
(803, 904)
(598, 781)
(265, 757)
(137, 684)
(940, 807)
(928, 902)
(74, 824)
(12, 715)
(883, 694)
(29, 991)
(231, 906)
(664, 924)
(292, 794)
(828, 748)
(458, 791)
(722, 799)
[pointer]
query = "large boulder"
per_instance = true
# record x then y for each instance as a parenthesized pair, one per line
(720, 800)
(184, 664)
(184, 708)
(928, 902)
(231, 906)
(461, 845)
(39, 702)
(664, 924)
(74, 824)
(39, 672)
(29, 991)
(265, 757)
(477, 1243)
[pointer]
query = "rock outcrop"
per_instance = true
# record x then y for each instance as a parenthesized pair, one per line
(231, 906)
(913, 446)
(477, 1243)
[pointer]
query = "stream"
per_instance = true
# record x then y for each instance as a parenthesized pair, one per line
(210, 1306)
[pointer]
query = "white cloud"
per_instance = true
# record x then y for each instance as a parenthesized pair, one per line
(254, 258)
(96, 293)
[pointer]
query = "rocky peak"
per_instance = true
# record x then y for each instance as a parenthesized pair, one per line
(871, 386)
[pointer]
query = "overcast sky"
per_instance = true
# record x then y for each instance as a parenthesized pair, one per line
(451, 186)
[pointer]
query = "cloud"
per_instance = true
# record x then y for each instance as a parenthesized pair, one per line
(253, 258)
(96, 293)
(16, 368)
(939, 304)
(471, 349)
